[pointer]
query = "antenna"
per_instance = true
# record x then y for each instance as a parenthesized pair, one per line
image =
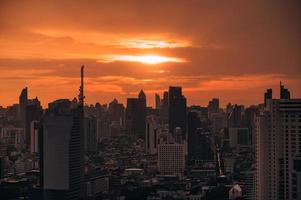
(81, 96)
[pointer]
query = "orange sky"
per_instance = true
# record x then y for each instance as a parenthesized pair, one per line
(233, 50)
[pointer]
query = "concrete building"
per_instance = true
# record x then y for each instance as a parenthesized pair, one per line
(278, 149)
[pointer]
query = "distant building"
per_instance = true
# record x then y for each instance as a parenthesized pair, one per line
(157, 101)
(23, 99)
(34, 136)
(239, 138)
(62, 150)
(13, 136)
(33, 112)
(152, 134)
(171, 159)
(177, 110)
(235, 118)
(213, 107)
(90, 139)
(136, 115)
(278, 148)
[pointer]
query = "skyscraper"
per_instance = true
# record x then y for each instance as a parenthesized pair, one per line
(177, 110)
(157, 101)
(213, 106)
(23, 99)
(62, 148)
(199, 139)
(267, 95)
(33, 112)
(136, 115)
(284, 92)
(278, 150)
(90, 132)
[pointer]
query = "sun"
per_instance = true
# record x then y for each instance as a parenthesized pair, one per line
(145, 59)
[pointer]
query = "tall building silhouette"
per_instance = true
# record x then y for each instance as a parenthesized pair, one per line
(157, 101)
(177, 110)
(278, 149)
(62, 148)
(284, 92)
(23, 100)
(199, 139)
(136, 115)
(33, 112)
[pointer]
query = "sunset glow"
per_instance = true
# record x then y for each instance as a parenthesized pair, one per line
(149, 44)
(202, 46)
(145, 59)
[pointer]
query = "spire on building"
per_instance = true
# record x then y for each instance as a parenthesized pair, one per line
(141, 95)
(81, 96)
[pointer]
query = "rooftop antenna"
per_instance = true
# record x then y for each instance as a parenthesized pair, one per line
(81, 96)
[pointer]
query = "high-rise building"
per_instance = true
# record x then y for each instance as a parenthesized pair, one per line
(33, 112)
(23, 99)
(62, 148)
(152, 134)
(213, 107)
(163, 111)
(61, 153)
(290, 111)
(278, 149)
(157, 101)
(136, 115)
(239, 138)
(284, 92)
(171, 159)
(90, 127)
(34, 136)
(177, 110)
(235, 118)
(116, 112)
(199, 139)
(267, 95)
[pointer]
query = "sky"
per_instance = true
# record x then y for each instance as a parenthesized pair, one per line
(233, 50)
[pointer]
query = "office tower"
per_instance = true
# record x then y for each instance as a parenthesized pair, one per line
(193, 124)
(267, 95)
(213, 107)
(13, 137)
(290, 111)
(23, 98)
(239, 138)
(177, 110)
(199, 139)
(34, 136)
(152, 133)
(163, 112)
(157, 101)
(249, 122)
(278, 147)
(62, 148)
(284, 93)
(218, 122)
(236, 116)
(136, 115)
(33, 112)
(103, 122)
(171, 159)
(116, 111)
(90, 142)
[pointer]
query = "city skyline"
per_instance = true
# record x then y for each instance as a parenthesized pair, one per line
(205, 47)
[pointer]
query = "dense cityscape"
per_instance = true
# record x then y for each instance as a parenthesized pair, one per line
(150, 100)
(71, 150)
